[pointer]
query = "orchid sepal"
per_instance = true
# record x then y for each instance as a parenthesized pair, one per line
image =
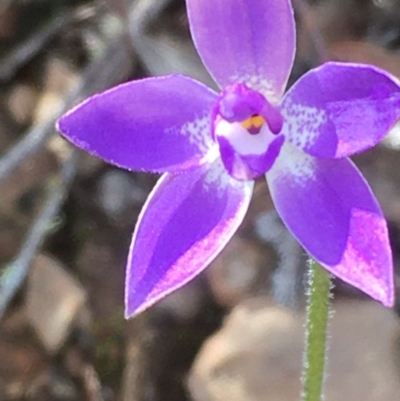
(186, 221)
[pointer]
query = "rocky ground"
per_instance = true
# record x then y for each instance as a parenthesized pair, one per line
(236, 332)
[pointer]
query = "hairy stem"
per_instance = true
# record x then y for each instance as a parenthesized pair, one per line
(319, 296)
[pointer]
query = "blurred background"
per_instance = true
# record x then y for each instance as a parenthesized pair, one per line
(66, 218)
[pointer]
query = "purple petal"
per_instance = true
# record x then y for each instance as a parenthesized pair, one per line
(340, 109)
(185, 223)
(251, 42)
(330, 209)
(155, 124)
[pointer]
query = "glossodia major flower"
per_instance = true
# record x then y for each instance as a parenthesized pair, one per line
(211, 147)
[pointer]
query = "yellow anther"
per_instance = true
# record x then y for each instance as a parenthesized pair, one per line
(253, 123)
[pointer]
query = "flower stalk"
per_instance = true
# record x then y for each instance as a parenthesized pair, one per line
(318, 311)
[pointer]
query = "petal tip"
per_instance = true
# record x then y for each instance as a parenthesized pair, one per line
(131, 312)
(386, 296)
(60, 124)
(134, 308)
(379, 287)
(388, 302)
(128, 314)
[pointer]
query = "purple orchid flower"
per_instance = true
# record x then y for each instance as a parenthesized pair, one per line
(211, 147)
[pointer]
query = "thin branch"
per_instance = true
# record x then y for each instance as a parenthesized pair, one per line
(26, 50)
(14, 274)
(108, 69)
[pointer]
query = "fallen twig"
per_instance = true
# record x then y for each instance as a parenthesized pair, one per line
(14, 274)
(111, 67)
(26, 50)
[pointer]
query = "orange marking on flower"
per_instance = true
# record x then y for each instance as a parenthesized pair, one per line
(253, 124)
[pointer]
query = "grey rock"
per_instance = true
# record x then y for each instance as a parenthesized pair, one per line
(54, 301)
(258, 353)
(239, 272)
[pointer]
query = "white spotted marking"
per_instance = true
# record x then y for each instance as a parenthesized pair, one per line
(294, 163)
(259, 84)
(218, 179)
(197, 131)
(302, 123)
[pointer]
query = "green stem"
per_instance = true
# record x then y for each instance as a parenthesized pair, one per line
(317, 327)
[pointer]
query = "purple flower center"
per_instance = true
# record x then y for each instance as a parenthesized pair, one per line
(247, 127)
